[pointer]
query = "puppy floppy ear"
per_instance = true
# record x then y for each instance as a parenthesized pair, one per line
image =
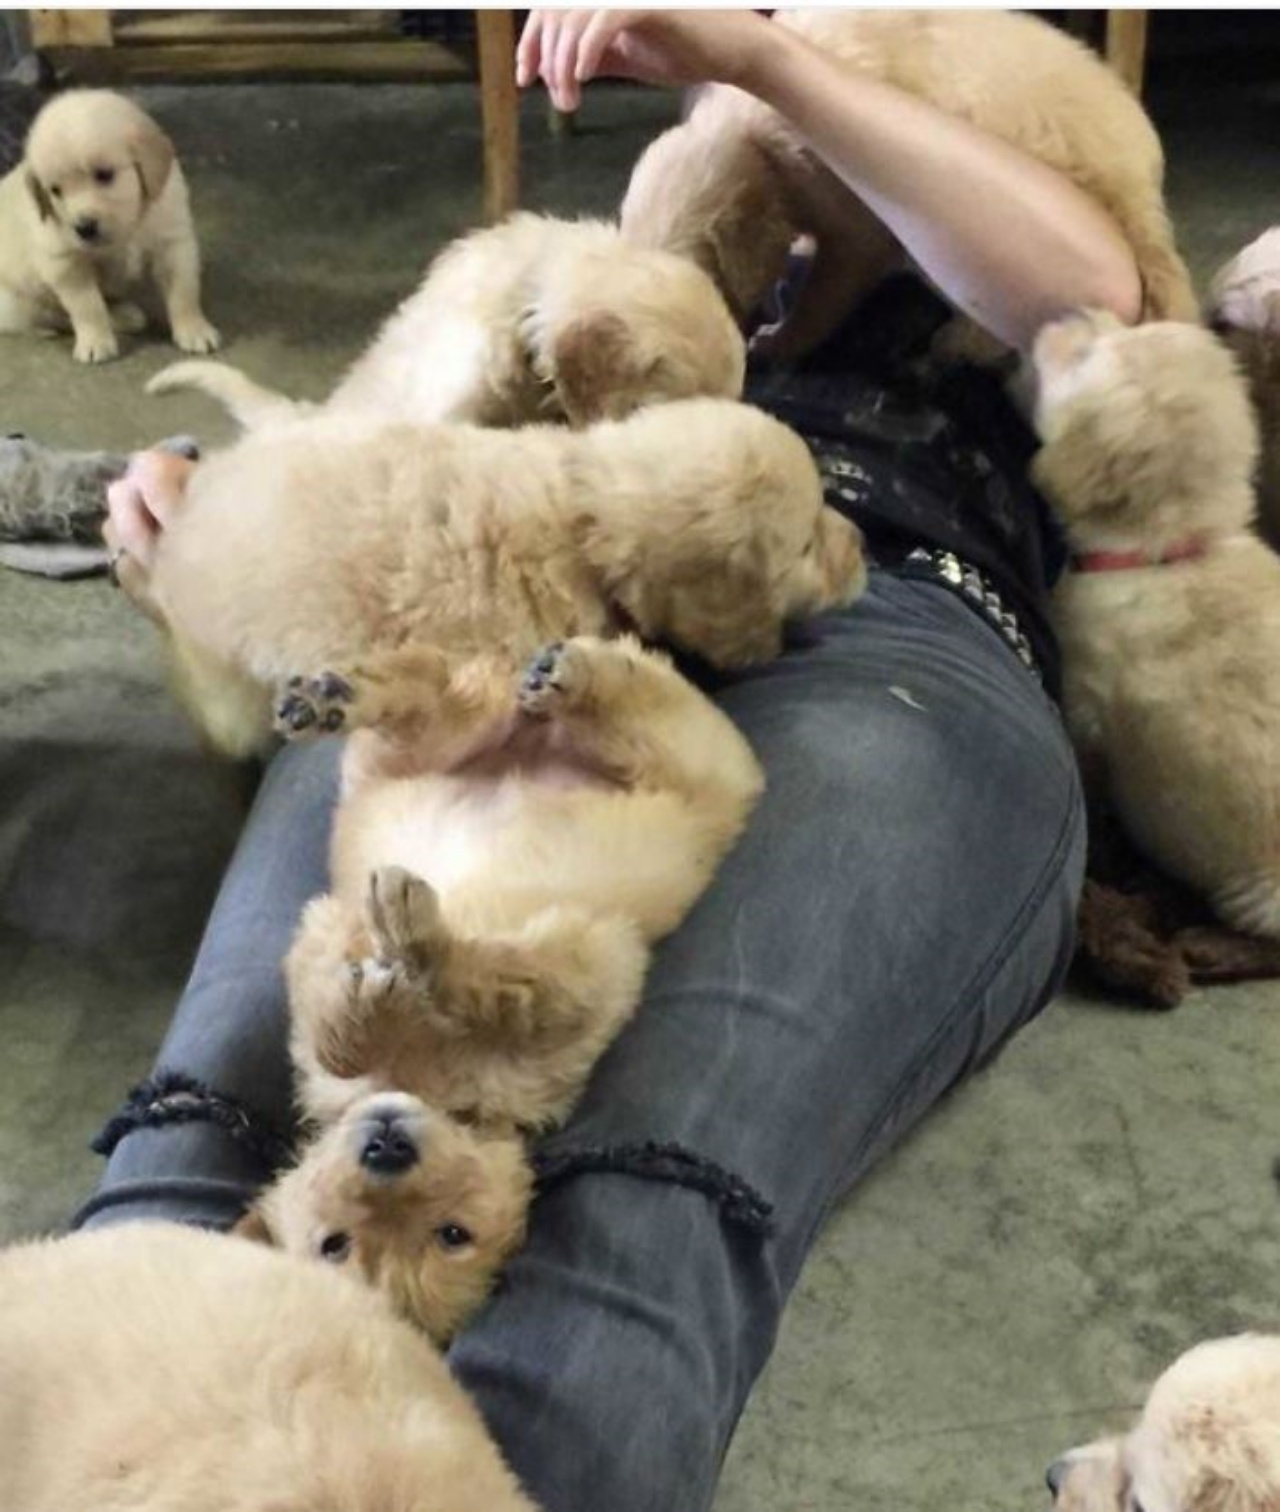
(253, 1226)
(593, 360)
(38, 193)
(153, 157)
(722, 612)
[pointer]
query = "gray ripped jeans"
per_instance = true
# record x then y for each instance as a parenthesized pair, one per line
(901, 904)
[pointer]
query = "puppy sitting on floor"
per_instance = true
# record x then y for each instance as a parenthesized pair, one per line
(97, 209)
(158, 1368)
(1208, 1440)
(330, 538)
(504, 853)
(1169, 616)
(734, 186)
(533, 319)
(406, 1199)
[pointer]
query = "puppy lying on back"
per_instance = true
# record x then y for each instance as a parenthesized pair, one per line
(401, 1197)
(1208, 1440)
(734, 186)
(1169, 616)
(533, 319)
(158, 1368)
(699, 522)
(505, 851)
(97, 210)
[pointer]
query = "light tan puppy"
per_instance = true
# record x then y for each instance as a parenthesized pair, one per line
(97, 210)
(157, 1368)
(533, 319)
(401, 1197)
(1208, 1440)
(734, 186)
(503, 856)
(1244, 308)
(333, 538)
(1170, 616)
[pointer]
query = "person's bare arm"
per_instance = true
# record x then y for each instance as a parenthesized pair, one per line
(1009, 240)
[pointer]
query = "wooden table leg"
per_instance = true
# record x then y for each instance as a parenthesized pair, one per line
(500, 110)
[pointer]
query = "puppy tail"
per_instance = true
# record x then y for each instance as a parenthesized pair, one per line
(247, 402)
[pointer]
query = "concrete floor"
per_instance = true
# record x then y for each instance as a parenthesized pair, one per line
(1010, 1279)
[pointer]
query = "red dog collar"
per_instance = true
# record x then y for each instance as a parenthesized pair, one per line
(1120, 561)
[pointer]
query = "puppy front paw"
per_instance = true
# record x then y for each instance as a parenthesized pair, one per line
(196, 335)
(556, 678)
(312, 705)
(96, 345)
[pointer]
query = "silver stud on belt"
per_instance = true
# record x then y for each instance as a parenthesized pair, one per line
(975, 586)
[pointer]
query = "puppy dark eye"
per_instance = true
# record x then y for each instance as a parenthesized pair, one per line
(55, 191)
(453, 1235)
(103, 175)
(335, 1248)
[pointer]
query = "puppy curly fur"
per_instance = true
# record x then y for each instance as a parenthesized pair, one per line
(734, 186)
(158, 1368)
(533, 319)
(1172, 671)
(503, 856)
(1208, 1439)
(332, 538)
(405, 1199)
(97, 209)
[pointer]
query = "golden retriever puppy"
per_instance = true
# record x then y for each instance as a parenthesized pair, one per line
(734, 186)
(1244, 308)
(533, 319)
(98, 209)
(403, 1198)
(1169, 617)
(504, 853)
(157, 1368)
(1208, 1440)
(335, 537)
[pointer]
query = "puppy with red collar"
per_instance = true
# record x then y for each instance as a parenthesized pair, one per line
(1169, 616)
(97, 210)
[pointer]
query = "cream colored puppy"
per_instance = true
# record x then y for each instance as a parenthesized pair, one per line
(533, 319)
(504, 854)
(1208, 1440)
(734, 186)
(1244, 308)
(332, 538)
(97, 209)
(157, 1368)
(401, 1197)
(1169, 617)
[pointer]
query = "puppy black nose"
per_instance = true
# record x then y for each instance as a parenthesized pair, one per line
(388, 1149)
(86, 228)
(1055, 1475)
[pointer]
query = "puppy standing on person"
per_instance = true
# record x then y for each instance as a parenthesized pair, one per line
(97, 210)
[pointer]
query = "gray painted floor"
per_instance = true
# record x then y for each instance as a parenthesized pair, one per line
(1010, 1279)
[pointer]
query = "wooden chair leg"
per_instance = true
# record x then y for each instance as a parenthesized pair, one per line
(1126, 46)
(500, 111)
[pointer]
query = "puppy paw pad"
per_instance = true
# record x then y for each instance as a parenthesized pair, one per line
(312, 705)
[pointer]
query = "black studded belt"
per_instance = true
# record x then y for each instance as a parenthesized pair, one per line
(977, 590)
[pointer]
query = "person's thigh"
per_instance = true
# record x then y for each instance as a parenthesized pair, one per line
(202, 1162)
(901, 902)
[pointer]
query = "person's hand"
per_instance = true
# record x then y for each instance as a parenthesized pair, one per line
(565, 48)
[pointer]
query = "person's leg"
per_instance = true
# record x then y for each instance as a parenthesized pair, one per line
(901, 903)
(230, 1031)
